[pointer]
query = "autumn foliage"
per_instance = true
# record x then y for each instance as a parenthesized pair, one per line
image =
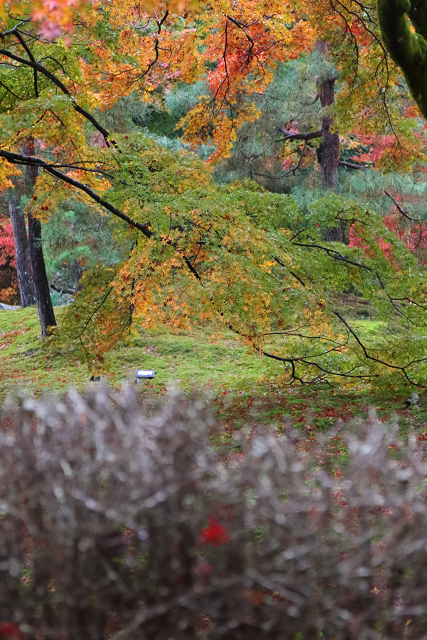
(9, 292)
(192, 250)
(215, 533)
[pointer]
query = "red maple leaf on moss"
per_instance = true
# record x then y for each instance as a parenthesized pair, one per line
(215, 534)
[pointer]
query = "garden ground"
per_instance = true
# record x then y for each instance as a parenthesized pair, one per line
(247, 388)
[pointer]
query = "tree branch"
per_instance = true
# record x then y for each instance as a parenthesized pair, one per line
(160, 22)
(41, 69)
(399, 208)
(352, 165)
(316, 364)
(369, 357)
(334, 254)
(30, 55)
(16, 158)
(298, 136)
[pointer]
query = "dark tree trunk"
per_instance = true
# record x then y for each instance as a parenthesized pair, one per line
(44, 302)
(77, 275)
(330, 142)
(22, 256)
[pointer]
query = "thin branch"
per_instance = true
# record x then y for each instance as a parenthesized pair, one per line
(299, 232)
(153, 62)
(374, 359)
(160, 22)
(41, 69)
(31, 57)
(76, 167)
(383, 61)
(298, 136)
(10, 91)
(297, 278)
(291, 272)
(410, 301)
(392, 300)
(399, 207)
(16, 158)
(248, 36)
(293, 170)
(316, 364)
(352, 165)
(13, 30)
(60, 65)
(334, 254)
(94, 312)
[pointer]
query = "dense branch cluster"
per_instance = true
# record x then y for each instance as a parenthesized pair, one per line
(120, 520)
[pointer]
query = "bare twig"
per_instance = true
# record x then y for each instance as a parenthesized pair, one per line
(352, 165)
(399, 207)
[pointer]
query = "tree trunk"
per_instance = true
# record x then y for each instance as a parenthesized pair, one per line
(77, 275)
(330, 142)
(22, 256)
(44, 302)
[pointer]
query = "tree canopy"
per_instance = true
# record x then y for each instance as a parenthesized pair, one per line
(187, 246)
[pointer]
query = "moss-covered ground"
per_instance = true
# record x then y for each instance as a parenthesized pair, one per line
(179, 359)
(246, 387)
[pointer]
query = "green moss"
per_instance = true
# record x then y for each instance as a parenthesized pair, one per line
(186, 360)
(248, 389)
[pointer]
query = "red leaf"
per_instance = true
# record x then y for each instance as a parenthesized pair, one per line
(214, 534)
(10, 631)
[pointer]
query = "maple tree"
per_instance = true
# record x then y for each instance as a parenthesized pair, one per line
(7, 263)
(235, 255)
(6, 243)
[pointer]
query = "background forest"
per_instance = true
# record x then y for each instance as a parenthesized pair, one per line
(248, 169)
(251, 169)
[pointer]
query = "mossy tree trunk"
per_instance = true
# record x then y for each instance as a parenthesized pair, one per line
(408, 49)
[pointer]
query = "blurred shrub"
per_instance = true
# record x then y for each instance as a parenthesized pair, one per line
(120, 521)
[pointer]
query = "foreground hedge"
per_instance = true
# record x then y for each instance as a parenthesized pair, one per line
(120, 521)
